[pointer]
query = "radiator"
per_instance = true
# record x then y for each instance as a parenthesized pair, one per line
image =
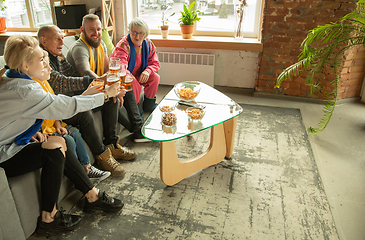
(180, 67)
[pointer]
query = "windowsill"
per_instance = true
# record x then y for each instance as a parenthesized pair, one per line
(4, 36)
(204, 42)
(176, 41)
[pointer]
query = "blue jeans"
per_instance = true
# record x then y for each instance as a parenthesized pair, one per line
(75, 143)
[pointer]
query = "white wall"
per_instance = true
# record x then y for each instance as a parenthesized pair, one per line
(232, 68)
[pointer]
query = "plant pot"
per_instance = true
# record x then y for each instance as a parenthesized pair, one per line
(2, 24)
(187, 31)
(164, 31)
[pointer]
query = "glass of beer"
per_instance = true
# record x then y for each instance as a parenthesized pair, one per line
(112, 78)
(128, 83)
(114, 65)
(122, 73)
(98, 82)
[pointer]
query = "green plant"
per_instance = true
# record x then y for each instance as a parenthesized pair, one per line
(2, 7)
(164, 19)
(189, 16)
(323, 48)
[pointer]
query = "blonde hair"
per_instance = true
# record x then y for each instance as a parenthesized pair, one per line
(138, 22)
(18, 49)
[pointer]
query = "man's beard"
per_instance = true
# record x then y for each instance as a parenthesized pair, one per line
(91, 42)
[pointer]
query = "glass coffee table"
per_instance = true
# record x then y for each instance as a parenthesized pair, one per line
(220, 116)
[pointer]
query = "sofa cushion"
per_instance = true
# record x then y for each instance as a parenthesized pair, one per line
(10, 227)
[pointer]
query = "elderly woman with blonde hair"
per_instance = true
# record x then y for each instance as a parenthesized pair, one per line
(24, 149)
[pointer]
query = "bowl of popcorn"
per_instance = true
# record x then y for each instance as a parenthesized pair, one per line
(195, 113)
(187, 91)
(168, 119)
(167, 108)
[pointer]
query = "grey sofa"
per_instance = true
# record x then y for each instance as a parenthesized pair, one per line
(20, 196)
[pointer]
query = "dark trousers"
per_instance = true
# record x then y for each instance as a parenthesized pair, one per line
(54, 165)
(129, 116)
(84, 121)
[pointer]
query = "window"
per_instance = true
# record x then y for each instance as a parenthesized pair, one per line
(217, 16)
(27, 15)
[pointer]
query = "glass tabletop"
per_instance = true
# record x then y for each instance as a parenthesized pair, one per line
(218, 109)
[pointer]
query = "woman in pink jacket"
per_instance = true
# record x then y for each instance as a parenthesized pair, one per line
(139, 54)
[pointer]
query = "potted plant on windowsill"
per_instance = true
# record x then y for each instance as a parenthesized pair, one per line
(187, 20)
(164, 27)
(2, 17)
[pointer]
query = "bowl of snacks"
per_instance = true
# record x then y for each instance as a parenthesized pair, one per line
(167, 108)
(187, 91)
(168, 119)
(195, 113)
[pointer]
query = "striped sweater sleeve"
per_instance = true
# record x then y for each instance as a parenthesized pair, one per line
(64, 80)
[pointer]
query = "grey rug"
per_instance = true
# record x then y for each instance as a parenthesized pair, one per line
(270, 189)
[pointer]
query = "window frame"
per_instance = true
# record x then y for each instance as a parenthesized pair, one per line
(133, 5)
(31, 27)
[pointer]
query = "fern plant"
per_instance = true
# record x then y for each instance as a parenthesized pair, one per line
(323, 48)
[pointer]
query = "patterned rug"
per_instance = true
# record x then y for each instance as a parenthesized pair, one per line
(270, 189)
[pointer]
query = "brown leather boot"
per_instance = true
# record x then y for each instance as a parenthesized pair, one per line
(122, 153)
(108, 163)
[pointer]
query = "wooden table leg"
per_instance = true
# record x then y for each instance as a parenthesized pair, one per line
(229, 132)
(173, 171)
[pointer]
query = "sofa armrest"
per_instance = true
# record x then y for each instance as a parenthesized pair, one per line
(10, 227)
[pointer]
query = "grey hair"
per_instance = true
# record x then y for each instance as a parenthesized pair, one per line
(138, 22)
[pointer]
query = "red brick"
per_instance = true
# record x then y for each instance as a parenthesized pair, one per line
(358, 62)
(275, 3)
(352, 94)
(264, 69)
(356, 69)
(282, 11)
(266, 77)
(341, 13)
(272, 64)
(345, 70)
(297, 4)
(295, 53)
(331, 5)
(271, 51)
(344, 77)
(357, 75)
(274, 18)
(283, 59)
(295, 11)
(271, 45)
(283, 51)
(299, 80)
(281, 39)
(326, 13)
(261, 83)
(270, 84)
(354, 82)
(301, 19)
(359, 55)
(282, 26)
(297, 40)
(294, 85)
(348, 63)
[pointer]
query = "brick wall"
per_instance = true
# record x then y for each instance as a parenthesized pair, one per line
(285, 25)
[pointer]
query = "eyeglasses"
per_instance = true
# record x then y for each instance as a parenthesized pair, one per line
(138, 33)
